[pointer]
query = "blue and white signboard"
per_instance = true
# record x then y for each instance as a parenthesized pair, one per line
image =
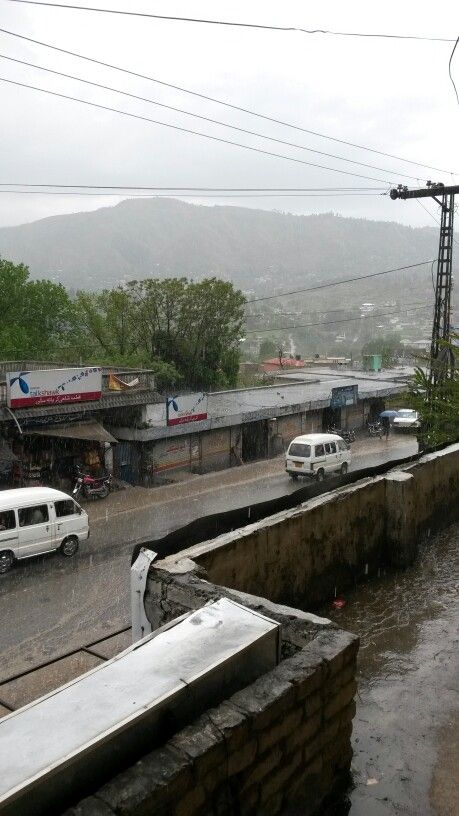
(186, 408)
(344, 395)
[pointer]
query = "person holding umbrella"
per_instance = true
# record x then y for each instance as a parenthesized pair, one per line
(385, 418)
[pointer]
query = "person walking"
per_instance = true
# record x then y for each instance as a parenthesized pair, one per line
(385, 422)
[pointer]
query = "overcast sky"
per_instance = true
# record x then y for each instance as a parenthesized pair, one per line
(394, 96)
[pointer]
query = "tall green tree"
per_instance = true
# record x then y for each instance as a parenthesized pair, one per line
(387, 345)
(268, 349)
(438, 407)
(36, 316)
(193, 328)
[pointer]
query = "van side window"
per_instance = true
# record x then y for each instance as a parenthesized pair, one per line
(319, 450)
(332, 446)
(7, 520)
(33, 515)
(65, 507)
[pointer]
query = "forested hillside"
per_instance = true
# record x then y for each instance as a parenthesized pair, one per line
(256, 249)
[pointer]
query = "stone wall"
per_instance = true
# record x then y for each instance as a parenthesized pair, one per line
(302, 556)
(279, 746)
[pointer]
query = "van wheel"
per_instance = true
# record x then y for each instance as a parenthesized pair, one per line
(6, 560)
(320, 475)
(294, 477)
(70, 546)
(344, 469)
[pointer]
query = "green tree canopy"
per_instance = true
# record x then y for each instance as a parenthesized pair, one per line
(438, 407)
(387, 345)
(268, 350)
(194, 328)
(36, 316)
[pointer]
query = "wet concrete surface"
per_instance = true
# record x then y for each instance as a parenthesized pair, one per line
(406, 728)
(51, 605)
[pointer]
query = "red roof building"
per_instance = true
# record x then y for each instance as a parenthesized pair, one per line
(276, 364)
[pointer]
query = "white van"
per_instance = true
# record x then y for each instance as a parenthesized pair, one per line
(316, 454)
(36, 520)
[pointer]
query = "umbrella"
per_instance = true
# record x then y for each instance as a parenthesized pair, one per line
(390, 414)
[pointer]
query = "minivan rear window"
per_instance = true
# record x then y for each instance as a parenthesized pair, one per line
(298, 449)
(7, 520)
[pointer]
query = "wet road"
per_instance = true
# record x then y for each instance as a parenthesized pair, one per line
(406, 752)
(49, 606)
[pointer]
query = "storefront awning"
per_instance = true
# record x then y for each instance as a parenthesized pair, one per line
(90, 431)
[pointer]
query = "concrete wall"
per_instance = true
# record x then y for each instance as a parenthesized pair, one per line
(299, 556)
(302, 556)
(279, 746)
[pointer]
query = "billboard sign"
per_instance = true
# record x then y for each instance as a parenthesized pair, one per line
(186, 408)
(55, 386)
(344, 395)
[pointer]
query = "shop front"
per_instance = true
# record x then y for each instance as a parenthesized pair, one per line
(49, 455)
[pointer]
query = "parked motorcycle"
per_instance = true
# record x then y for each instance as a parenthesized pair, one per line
(348, 436)
(91, 486)
(375, 429)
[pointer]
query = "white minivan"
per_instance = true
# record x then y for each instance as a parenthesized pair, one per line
(316, 454)
(37, 520)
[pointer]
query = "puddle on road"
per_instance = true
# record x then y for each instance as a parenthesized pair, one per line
(408, 683)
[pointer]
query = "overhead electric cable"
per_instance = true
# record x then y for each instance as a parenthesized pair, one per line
(227, 22)
(265, 316)
(188, 130)
(218, 101)
(338, 282)
(332, 322)
(185, 195)
(455, 241)
(195, 189)
(204, 118)
(449, 70)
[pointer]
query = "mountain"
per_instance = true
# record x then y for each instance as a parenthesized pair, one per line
(259, 250)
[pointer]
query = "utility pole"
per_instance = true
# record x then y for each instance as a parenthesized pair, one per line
(441, 362)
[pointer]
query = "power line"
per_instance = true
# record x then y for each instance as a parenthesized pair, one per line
(196, 189)
(264, 316)
(229, 23)
(187, 195)
(338, 282)
(427, 211)
(203, 118)
(218, 101)
(188, 130)
(433, 218)
(449, 70)
(332, 322)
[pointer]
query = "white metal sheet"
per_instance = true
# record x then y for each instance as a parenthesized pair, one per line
(45, 735)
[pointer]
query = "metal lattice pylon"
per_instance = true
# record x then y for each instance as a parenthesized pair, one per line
(441, 357)
(441, 364)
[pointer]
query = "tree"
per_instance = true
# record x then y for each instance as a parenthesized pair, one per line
(388, 346)
(36, 316)
(194, 328)
(438, 407)
(268, 350)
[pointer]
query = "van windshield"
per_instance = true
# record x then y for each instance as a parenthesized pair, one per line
(298, 449)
